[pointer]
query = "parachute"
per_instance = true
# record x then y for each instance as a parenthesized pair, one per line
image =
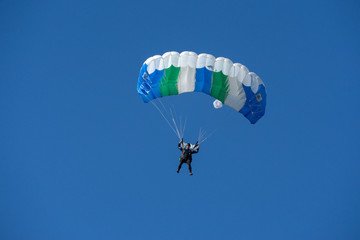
(230, 83)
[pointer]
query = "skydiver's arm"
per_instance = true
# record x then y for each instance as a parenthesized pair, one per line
(179, 146)
(196, 150)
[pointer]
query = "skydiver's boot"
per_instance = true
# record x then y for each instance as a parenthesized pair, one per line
(190, 174)
(177, 171)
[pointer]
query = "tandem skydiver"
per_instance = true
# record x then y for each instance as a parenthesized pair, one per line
(186, 156)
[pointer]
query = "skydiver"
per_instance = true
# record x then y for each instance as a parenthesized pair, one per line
(186, 156)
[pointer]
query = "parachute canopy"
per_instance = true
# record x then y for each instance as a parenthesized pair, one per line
(230, 83)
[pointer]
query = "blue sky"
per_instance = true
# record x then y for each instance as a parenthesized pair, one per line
(82, 157)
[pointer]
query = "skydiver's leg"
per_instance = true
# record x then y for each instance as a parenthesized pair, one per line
(190, 169)
(181, 163)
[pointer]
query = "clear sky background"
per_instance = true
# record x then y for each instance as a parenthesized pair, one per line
(82, 157)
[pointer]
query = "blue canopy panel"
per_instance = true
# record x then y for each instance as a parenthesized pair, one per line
(203, 80)
(149, 84)
(255, 104)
